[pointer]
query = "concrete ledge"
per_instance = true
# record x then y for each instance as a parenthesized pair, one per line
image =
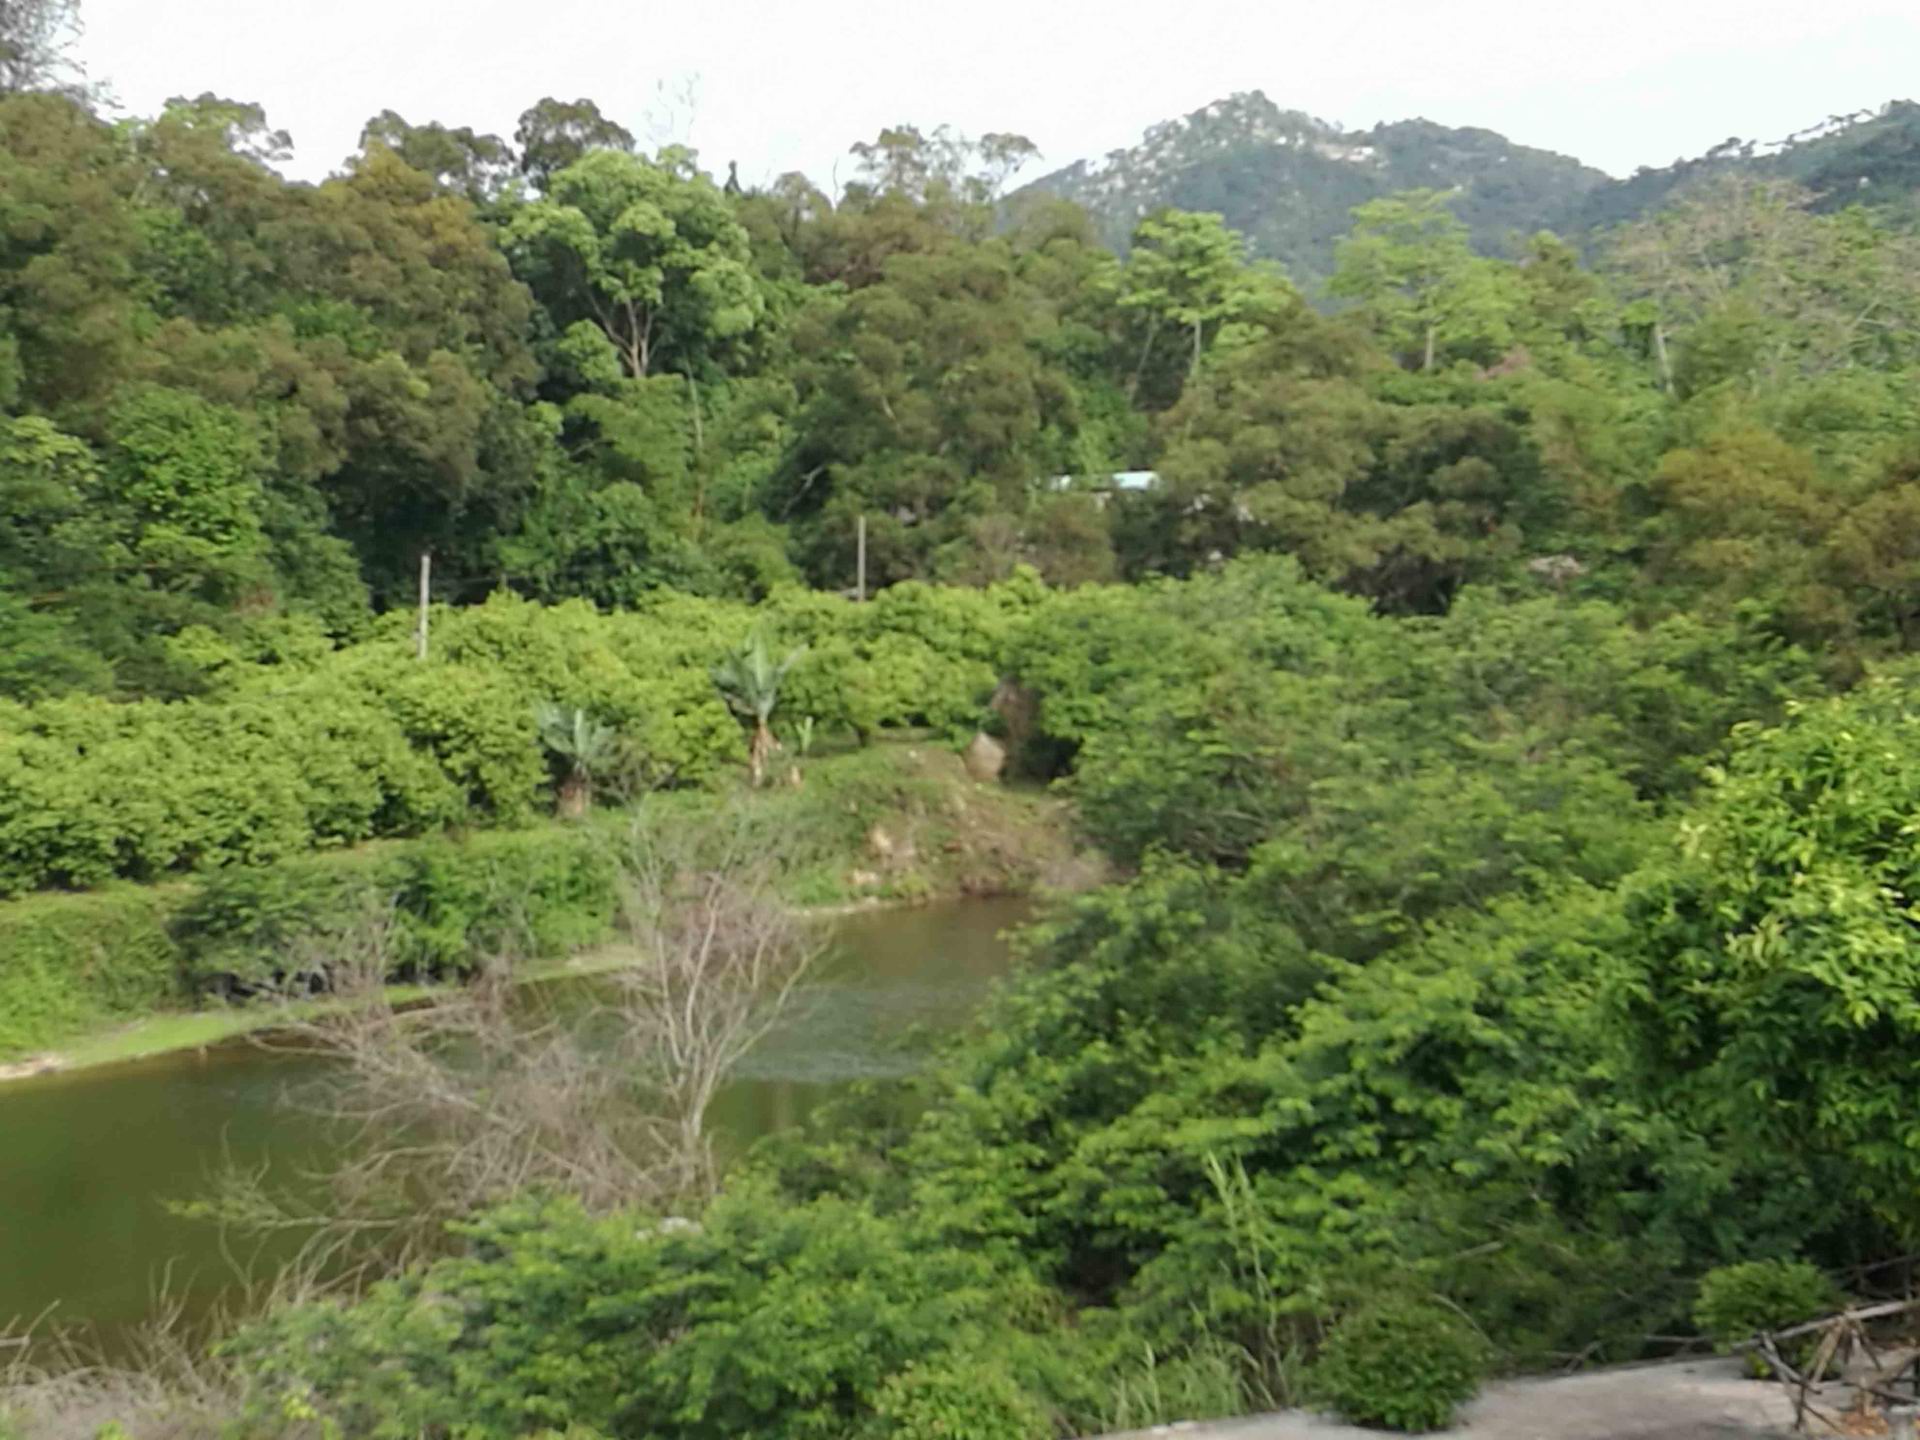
(1712, 1399)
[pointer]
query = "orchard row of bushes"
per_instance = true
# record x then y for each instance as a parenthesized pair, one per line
(1165, 701)
(313, 748)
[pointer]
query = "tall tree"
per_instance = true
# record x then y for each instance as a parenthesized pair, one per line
(941, 164)
(648, 252)
(1186, 274)
(555, 133)
(1413, 275)
(460, 161)
(1758, 288)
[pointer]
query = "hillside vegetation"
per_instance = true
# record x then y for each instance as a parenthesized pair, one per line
(1288, 181)
(1492, 693)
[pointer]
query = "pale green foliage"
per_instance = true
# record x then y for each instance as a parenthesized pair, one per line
(942, 165)
(1408, 267)
(584, 751)
(750, 679)
(1186, 271)
(582, 744)
(1776, 971)
(964, 1398)
(1764, 291)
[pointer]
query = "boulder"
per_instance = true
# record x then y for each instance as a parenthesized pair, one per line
(985, 757)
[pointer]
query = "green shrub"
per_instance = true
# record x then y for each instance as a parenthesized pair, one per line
(963, 1397)
(766, 1318)
(1403, 1364)
(70, 961)
(454, 900)
(367, 742)
(536, 893)
(1738, 1302)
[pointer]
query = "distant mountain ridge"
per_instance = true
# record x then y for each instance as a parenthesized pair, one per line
(1289, 180)
(1871, 157)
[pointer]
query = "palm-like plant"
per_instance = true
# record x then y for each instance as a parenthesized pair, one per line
(582, 747)
(749, 680)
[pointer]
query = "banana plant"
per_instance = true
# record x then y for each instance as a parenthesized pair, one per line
(582, 748)
(749, 680)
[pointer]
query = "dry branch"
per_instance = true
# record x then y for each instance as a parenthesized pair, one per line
(599, 1090)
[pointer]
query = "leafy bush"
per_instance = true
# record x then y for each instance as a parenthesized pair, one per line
(966, 1397)
(366, 742)
(67, 962)
(1772, 977)
(454, 899)
(1404, 1364)
(764, 1318)
(1740, 1301)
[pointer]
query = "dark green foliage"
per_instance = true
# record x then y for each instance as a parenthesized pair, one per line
(233, 402)
(762, 1319)
(452, 902)
(1400, 1364)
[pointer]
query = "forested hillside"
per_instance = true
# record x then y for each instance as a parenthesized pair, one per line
(1287, 181)
(1492, 692)
(239, 410)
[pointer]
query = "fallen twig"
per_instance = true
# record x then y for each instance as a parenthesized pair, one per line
(1867, 1312)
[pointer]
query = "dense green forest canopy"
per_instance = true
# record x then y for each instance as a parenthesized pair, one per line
(237, 409)
(1495, 700)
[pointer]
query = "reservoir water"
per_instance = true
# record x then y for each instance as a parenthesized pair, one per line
(89, 1160)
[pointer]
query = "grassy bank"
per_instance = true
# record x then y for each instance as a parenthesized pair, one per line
(136, 970)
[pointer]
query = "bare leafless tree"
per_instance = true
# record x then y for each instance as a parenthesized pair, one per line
(598, 1089)
(36, 47)
(717, 956)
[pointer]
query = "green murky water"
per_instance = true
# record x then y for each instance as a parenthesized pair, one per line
(89, 1160)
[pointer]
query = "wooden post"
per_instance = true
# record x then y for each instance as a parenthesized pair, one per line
(860, 576)
(426, 588)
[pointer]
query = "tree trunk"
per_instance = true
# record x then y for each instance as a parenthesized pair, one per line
(759, 752)
(693, 399)
(1660, 353)
(1432, 336)
(575, 798)
(1196, 351)
(1153, 329)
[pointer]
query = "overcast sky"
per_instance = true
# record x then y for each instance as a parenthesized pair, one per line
(789, 84)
